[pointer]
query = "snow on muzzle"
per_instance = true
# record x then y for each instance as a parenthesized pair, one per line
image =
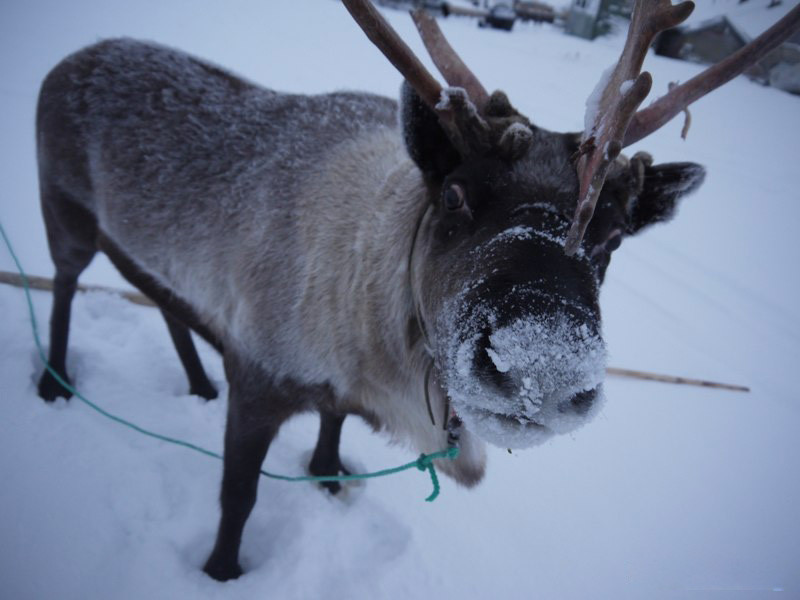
(517, 381)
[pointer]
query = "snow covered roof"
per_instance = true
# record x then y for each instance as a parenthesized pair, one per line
(714, 21)
(750, 18)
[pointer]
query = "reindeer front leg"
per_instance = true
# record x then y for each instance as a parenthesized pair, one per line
(326, 460)
(256, 410)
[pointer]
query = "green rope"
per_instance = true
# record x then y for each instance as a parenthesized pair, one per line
(423, 463)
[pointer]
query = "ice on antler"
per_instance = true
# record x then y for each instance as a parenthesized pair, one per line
(613, 105)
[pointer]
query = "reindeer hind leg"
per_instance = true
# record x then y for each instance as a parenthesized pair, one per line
(199, 384)
(71, 235)
(179, 316)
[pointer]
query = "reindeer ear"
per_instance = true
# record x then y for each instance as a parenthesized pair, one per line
(659, 189)
(426, 142)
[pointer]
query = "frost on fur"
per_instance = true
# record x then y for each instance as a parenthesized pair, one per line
(547, 362)
(517, 382)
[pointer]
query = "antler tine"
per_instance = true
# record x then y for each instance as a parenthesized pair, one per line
(459, 109)
(449, 63)
(619, 97)
(648, 120)
(395, 49)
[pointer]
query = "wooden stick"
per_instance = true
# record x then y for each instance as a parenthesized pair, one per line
(673, 379)
(46, 284)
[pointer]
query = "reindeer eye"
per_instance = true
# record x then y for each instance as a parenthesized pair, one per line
(454, 197)
(613, 242)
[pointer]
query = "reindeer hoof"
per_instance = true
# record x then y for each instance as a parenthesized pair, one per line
(206, 390)
(333, 487)
(222, 570)
(50, 389)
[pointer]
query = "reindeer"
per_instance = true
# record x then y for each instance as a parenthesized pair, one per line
(414, 264)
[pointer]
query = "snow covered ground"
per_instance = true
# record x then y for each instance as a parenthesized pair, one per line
(672, 492)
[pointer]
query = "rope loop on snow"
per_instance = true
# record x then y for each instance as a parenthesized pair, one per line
(423, 463)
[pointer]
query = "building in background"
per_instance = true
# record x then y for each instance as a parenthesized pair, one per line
(590, 18)
(714, 39)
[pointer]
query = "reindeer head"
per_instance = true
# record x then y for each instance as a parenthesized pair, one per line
(520, 227)
(513, 321)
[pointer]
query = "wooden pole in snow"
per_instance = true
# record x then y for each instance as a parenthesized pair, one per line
(674, 379)
(46, 284)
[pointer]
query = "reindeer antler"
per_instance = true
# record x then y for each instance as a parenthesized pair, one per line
(449, 63)
(395, 49)
(616, 126)
(474, 121)
(612, 105)
(648, 120)
(455, 72)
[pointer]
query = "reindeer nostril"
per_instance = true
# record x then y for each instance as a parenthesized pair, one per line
(582, 402)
